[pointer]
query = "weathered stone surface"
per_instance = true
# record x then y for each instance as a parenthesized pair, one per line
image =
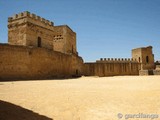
(149, 72)
(21, 62)
(26, 28)
(156, 72)
(144, 56)
(142, 59)
(111, 69)
(37, 49)
(146, 72)
(157, 67)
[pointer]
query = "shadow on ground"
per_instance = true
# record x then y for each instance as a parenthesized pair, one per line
(9, 111)
(38, 79)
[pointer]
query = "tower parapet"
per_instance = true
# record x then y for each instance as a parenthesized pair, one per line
(26, 16)
(28, 29)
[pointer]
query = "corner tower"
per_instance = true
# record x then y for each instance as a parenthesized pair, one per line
(31, 30)
(64, 40)
(144, 56)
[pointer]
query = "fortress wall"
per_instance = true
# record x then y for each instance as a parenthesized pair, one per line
(59, 42)
(64, 39)
(149, 72)
(71, 38)
(46, 36)
(19, 62)
(111, 69)
(17, 35)
(77, 66)
(27, 16)
(116, 60)
(157, 67)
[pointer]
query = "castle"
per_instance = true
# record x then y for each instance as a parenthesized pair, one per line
(37, 49)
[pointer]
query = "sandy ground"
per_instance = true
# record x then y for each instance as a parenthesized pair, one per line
(86, 98)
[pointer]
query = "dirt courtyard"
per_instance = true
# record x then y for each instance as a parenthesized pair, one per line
(87, 98)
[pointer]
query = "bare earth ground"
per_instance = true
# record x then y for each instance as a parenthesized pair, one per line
(86, 98)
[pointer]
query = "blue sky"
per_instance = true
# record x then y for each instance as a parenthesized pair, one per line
(105, 28)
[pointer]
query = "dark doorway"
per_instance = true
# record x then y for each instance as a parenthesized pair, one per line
(76, 72)
(39, 42)
(147, 59)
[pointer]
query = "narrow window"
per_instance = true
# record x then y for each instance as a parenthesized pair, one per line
(139, 59)
(147, 59)
(39, 42)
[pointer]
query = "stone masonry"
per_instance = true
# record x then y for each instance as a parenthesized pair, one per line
(144, 56)
(37, 49)
(31, 30)
(142, 62)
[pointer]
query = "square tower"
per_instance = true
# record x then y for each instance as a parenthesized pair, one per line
(144, 56)
(30, 30)
(64, 40)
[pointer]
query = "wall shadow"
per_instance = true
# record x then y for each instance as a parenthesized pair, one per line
(38, 79)
(9, 111)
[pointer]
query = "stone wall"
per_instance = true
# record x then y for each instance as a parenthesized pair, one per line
(157, 67)
(157, 63)
(39, 50)
(149, 72)
(112, 67)
(20, 62)
(156, 72)
(64, 40)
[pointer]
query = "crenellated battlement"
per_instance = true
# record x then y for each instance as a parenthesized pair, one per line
(27, 14)
(28, 29)
(116, 60)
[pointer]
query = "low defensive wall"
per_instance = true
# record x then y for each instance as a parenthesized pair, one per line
(112, 67)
